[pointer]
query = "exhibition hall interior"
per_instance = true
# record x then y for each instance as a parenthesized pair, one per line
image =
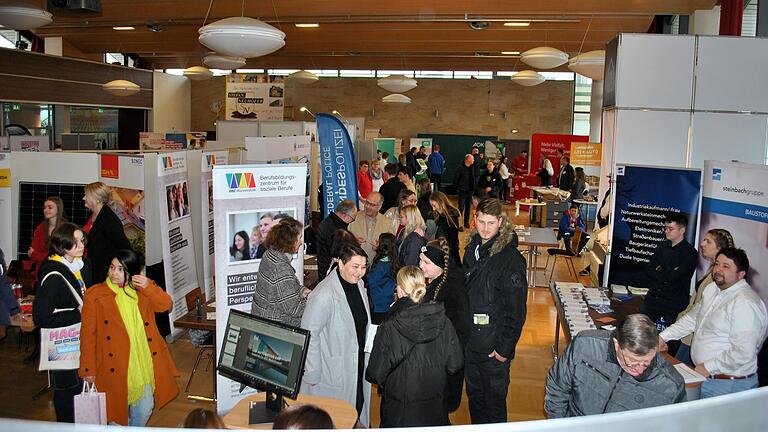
(261, 214)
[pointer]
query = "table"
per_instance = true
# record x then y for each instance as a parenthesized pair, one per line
(192, 321)
(529, 202)
(586, 203)
(343, 414)
(533, 238)
(554, 192)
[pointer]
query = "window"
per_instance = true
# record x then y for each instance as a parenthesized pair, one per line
(749, 19)
(386, 73)
(434, 74)
(582, 97)
(357, 73)
(472, 75)
(250, 71)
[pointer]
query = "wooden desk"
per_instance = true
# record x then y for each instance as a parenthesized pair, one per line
(191, 320)
(533, 238)
(343, 414)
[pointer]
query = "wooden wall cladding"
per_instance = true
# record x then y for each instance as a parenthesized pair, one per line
(36, 77)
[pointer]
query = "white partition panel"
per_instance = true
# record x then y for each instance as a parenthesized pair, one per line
(236, 130)
(728, 136)
(651, 137)
(655, 71)
(731, 74)
(283, 128)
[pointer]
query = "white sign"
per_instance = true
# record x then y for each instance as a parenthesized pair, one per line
(6, 230)
(30, 143)
(268, 149)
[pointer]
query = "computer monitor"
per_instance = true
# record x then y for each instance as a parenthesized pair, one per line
(265, 355)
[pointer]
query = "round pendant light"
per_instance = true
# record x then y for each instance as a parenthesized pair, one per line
(21, 16)
(121, 88)
(198, 73)
(217, 61)
(528, 78)
(397, 83)
(590, 64)
(544, 57)
(241, 37)
(396, 99)
(303, 77)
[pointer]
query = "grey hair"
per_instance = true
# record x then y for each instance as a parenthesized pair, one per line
(346, 206)
(637, 333)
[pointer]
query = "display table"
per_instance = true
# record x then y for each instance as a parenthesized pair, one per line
(532, 203)
(533, 238)
(343, 414)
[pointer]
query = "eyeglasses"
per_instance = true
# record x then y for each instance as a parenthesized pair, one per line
(373, 204)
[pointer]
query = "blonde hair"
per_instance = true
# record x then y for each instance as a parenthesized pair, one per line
(445, 208)
(413, 219)
(98, 191)
(410, 279)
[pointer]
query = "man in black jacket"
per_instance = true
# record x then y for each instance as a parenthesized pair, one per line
(391, 188)
(491, 180)
(565, 177)
(498, 289)
(345, 213)
(464, 182)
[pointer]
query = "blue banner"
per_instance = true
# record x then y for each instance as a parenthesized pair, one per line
(337, 163)
(644, 196)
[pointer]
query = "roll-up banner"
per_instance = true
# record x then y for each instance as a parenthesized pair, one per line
(125, 175)
(644, 196)
(176, 230)
(246, 200)
(6, 229)
(546, 145)
(736, 199)
(209, 159)
(337, 160)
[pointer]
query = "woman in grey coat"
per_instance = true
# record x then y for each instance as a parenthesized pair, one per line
(279, 295)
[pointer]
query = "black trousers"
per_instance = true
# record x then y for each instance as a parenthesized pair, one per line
(465, 206)
(487, 385)
(454, 386)
(437, 179)
(66, 385)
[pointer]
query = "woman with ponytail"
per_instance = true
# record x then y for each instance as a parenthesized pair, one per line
(414, 351)
(446, 285)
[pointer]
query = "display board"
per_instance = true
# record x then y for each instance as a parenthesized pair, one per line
(5, 203)
(546, 145)
(245, 198)
(254, 97)
(337, 161)
(30, 143)
(209, 160)
(454, 147)
(125, 174)
(278, 149)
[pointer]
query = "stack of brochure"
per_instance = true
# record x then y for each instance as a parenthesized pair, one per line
(575, 308)
(637, 290)
(595, 296)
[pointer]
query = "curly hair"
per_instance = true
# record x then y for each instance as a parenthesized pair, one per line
(284, 235)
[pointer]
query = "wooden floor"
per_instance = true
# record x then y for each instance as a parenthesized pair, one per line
(19, 381)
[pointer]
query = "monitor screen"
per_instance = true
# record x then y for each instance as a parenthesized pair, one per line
(263, 354)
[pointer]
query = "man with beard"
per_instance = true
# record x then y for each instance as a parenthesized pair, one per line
(602, 372)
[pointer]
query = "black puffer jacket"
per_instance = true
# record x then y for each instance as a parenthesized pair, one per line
(55, 294)
(414, 351)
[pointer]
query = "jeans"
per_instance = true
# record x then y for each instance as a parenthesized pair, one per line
(465, 206)
(487, 386)
(718, 387)
(138, 414)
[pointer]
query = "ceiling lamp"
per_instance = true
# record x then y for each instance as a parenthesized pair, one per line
(590, 64)
(396, 99)
(528, 78)
(198, 73)
(303, 77)
(20, 16)
(544, 57)
(398, 84)
(121, 88)
(241, 37)
(217, 61)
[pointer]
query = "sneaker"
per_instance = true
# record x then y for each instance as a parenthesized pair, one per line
(584, 272)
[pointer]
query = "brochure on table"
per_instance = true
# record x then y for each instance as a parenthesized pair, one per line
(243, 195)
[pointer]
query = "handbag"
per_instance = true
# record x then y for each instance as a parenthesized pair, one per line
(60, 347)
(91, 406)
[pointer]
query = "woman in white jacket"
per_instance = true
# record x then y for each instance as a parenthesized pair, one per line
(337, 316)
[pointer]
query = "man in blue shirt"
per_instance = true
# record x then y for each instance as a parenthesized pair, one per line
(568, 224)
(436, 165)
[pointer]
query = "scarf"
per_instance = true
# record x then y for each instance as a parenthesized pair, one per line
(75, 266)
(374, 176)
(140, 367)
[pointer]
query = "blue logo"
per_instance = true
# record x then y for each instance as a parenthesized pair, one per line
(716, 174)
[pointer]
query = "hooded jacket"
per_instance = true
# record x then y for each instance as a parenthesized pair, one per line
(414, 351)
(495, 277)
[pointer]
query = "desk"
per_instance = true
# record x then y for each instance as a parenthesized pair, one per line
(533, 238)
(343, 414)
(586, 203)
(554, 192)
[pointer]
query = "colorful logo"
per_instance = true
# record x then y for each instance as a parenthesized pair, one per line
(167, 162)
(210, 159)
(716, 174)
(110, 166)
(241, 181)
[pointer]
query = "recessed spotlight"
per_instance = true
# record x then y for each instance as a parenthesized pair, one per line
(517, 24)
(510, 52)
(120, 28)
(514, 130)
(307, 25)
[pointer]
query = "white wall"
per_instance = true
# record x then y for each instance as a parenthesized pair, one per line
(171, 104)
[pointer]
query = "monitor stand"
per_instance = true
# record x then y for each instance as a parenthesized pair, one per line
(265, 412)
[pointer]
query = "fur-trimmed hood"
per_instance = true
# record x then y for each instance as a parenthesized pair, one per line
(506, 236)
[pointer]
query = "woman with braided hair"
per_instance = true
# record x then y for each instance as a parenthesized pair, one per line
(446, 285)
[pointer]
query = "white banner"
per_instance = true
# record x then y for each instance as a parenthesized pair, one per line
(176, 230)
(30, 143)
(246, 198)
(270, 149)
(209, 159)
(6, 229)
(125, 174)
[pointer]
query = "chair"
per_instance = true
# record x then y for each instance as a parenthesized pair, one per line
(206, 346)
(569, 254)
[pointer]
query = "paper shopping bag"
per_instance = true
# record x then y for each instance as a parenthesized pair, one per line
(91, 406)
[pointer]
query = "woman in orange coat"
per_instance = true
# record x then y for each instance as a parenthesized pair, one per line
(121, 349)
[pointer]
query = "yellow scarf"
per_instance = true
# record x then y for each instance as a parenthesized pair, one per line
(140, 367)
(74, 266)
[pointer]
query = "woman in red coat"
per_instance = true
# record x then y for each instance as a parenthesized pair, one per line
(364, 181)
(121, 349)
(53, 211)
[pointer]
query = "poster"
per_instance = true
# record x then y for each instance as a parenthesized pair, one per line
(245, 198)
(643, 199)
(197, 140)
(338, 163)
(6, 230)
(735, 198)
(30, 143)
(125, 174)
(588, 155)
(546, 145)
(176, 230)
(151, 141)
(209, 159)
(175, 141)
(419, 142)
(254, 97)
(278, 149)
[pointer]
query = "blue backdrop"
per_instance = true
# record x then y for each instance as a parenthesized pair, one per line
(337, 163)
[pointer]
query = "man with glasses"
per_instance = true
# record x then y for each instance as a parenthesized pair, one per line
(370, 224)
(669, 272)
(602, 372)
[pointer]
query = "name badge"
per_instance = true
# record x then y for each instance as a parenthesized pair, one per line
(481, 319)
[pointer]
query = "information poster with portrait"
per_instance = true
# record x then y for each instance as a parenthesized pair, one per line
(254, 97)
(125, 175)
(247, 199)
(176, 230)
(209, 159)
